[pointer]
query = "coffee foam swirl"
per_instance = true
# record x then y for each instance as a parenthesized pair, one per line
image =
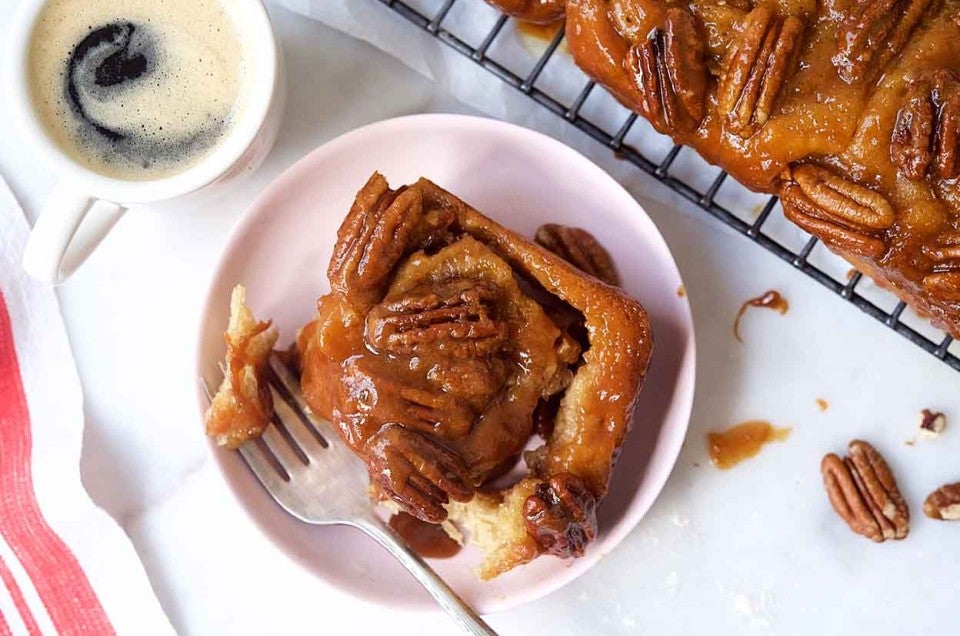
(137, 89)
(116, 61)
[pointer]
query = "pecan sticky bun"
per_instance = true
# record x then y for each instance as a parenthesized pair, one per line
(849, 110)
(448, 341)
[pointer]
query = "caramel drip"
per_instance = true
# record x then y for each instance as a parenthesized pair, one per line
(730, 447)
(769, 300)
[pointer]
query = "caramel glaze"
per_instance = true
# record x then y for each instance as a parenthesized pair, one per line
(496, 394)
(769, 300)
(844, 124)
(743, 441)
(426, 539)
(533, 11)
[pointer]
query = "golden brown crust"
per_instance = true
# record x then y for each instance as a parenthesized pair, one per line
(243, 405)
(433, 363)
(847, 109)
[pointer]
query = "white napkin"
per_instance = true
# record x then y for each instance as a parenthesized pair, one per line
(65, 565)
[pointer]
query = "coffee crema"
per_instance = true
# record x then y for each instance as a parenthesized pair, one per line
(137, 89)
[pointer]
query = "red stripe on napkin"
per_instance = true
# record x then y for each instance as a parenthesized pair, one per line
(18, 601)
(4, 628)
(56, 575)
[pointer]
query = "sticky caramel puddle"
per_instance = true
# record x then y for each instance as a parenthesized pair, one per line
(426, 539)
(730, 447)
(771, 299)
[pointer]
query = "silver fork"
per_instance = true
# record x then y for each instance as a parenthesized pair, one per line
(314, 476)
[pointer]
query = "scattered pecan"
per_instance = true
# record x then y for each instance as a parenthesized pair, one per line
(932, 424)
(757, 67)
(372, 239)
(927, 130)
(417, 472)
(455, 319)
(669, 69)
(561, 516)
(579, 248)
(872, 34)
(844, 214)
(943, 503)
(864, 493)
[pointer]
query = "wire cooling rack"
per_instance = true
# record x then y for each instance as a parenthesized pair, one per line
(441, 21)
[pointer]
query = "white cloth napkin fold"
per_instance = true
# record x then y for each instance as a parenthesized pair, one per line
(65, 566)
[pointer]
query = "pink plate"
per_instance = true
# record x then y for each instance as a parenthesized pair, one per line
(280, 247)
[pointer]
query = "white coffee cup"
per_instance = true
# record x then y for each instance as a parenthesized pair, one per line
(58, 244)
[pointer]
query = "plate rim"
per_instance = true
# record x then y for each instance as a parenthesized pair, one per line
(683, 403)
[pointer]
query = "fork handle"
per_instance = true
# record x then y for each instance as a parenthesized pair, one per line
(466, 618)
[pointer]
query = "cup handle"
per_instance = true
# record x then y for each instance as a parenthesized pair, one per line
(58, 245)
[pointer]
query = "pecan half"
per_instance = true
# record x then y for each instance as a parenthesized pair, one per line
(669, 69)
(842, 213)
(864, 493)
(944, 282)
(372, 239)
(455, 319)
(944, 250)
(579, 248)
(943, 285)
(926, 133)
(943, 503)
(561, 516)
(417, 472)
(872, 34)
(757, 67)
(366, 387)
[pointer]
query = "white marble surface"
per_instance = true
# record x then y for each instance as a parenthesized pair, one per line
(753, 550)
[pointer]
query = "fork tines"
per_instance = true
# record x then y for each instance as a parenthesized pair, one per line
(296, 441)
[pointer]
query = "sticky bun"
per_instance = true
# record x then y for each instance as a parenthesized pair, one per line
(448, 341)
(846, 109)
